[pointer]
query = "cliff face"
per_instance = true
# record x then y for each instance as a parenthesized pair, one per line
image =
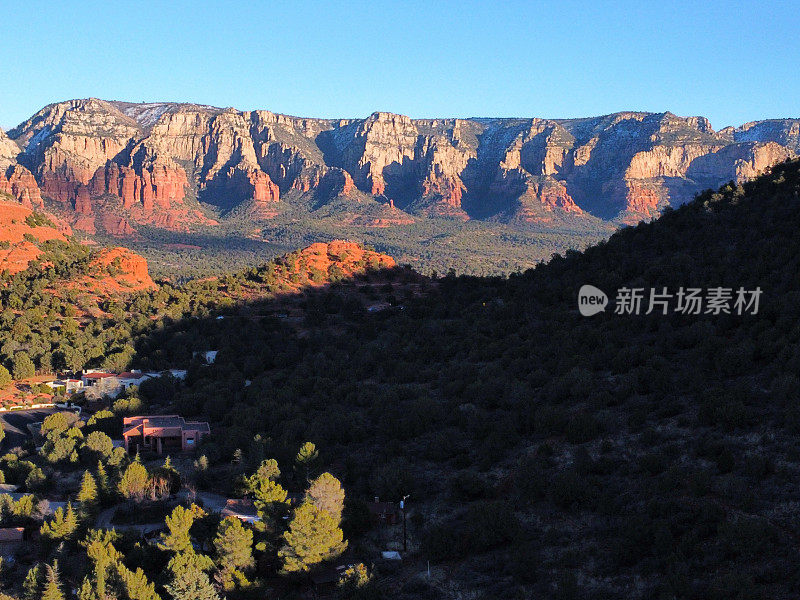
(150, 163)
(16, 180)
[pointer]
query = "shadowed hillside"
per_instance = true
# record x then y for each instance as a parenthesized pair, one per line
(617, 456)
(544, 454)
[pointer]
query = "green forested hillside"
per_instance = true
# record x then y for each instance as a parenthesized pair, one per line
(546, 454)
(617, 456)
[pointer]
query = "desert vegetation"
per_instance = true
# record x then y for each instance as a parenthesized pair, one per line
(542, 453)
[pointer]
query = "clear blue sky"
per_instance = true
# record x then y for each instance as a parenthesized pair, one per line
(730, 61)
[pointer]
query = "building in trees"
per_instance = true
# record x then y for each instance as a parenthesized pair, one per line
(162, 433)
(243, 509)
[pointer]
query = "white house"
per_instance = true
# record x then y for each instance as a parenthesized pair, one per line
(134, 377)
(55, 384)
(70, 385)
(73, 385)
(92, 377)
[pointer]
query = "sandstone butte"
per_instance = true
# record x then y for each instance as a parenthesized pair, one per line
(114, 165)
(320, 263)
(128, 272)
(16, 252)
(317, 265)
(349, 257)
(18, 247)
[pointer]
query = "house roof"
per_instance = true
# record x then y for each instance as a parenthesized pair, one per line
(130, 375)
(199, 426)
(329, 574)
(11, 534)
(132, 424)
(132, 429)
(98, 375)
(239, 506)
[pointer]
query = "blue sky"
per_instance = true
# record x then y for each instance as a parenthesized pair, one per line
(730, 61)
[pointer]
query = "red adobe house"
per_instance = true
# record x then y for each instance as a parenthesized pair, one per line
(162, 433)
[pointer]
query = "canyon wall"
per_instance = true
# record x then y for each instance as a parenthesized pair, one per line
(152, 163)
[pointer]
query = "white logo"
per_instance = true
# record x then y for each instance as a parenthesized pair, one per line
(591, 300)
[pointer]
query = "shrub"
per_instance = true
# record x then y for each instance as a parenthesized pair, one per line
(583, 428)
(468, 485)
(570, 490)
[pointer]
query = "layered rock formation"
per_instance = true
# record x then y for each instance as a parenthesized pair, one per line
(151, 163)
(16, 180)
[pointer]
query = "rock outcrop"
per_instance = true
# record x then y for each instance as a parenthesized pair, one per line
(121, 269)
(16, 180)
(321, 263)
(20, 183)
(19, 234)
(156, 161)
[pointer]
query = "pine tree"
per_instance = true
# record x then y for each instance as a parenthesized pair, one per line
(70, 521)
(189, 581)
(104, 557)
(99, 445)
(5, 377)
(23, 366)
(306, 459)
(62, 526)
(136, 585)
(52, 586)
(234, 544)
(177, 539)
(234, 547)
(268, 469)
(33, 582)
(134, 482)
(268, 495)
(87, 496)
(103, 485)
(326, 493)
(110, 578)
(87, 591)
(314, 536)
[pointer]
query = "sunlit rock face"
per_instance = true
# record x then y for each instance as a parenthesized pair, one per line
(154, 162)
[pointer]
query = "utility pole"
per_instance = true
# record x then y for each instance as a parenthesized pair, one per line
(403, 508)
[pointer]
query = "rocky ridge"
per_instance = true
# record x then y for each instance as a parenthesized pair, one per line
(152, 163)
(20, 235)
(23, 232)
